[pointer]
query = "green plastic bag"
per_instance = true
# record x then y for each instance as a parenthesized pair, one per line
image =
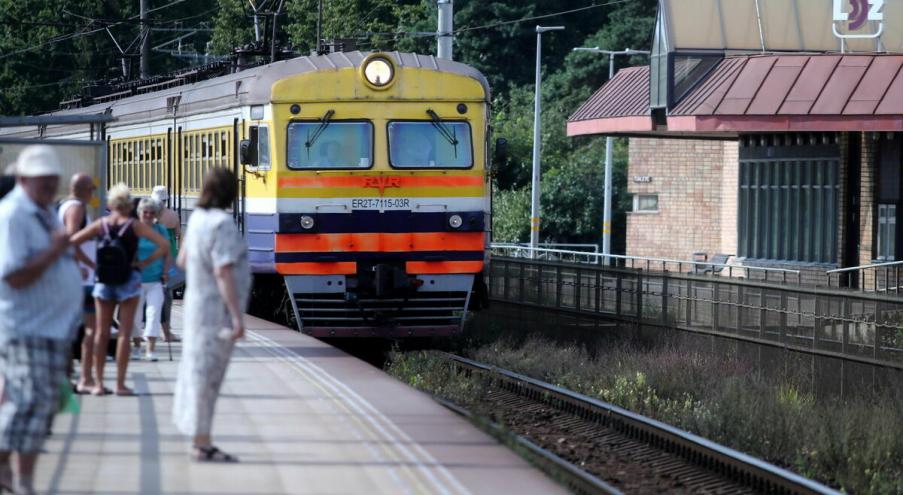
(68, 401)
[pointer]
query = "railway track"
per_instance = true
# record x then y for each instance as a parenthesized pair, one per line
(596, 447)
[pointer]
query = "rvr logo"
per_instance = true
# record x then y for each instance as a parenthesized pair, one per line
(861, 11)
(382, 183)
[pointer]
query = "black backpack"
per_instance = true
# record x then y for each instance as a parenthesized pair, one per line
(113, 264)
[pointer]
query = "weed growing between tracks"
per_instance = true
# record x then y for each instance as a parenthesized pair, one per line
(856, 445)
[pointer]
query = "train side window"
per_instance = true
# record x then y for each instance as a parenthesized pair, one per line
(263, 148)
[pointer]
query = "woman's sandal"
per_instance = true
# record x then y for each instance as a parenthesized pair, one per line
(98, 391)
(126, 392)
(210, 453)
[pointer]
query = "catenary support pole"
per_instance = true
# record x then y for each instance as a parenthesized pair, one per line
(606, 209)
(319, 27)
(535, 210)
(144, 7)
(445, 31)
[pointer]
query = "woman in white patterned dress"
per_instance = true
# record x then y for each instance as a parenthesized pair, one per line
(217, 286)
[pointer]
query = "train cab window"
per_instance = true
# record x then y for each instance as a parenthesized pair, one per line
(425, 144)
(263, 148)
(329, 145)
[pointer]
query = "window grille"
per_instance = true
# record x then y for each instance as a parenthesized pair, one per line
(789, 197)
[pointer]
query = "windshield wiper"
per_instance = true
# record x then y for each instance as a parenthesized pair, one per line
(324, 123)
(449, 135)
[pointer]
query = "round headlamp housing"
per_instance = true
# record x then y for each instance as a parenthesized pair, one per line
(455, 221)
(378, 71)
(307, 222)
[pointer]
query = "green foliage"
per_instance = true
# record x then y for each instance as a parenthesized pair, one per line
(233, 26)
(511, 218)
(49, 50)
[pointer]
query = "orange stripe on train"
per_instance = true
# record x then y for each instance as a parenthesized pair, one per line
(350, 268)
(428, 241)
(381, 182)
(442, 267)
(316, 268)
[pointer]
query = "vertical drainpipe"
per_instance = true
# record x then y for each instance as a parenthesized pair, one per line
(444, 33)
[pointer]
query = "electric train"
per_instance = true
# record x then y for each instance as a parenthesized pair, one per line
(364, 192)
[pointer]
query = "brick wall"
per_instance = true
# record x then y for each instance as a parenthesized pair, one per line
(730, 181)
(867, 200)
(695, 207)
(867, 208)
(696, 182)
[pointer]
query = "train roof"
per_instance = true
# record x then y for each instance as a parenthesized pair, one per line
(253, 86)
(249, 87)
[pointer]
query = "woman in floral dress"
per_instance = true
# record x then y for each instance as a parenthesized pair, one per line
(217, 286)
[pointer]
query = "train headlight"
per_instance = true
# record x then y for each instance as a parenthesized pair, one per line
(379, 71)
(307, 222)
(455, 221)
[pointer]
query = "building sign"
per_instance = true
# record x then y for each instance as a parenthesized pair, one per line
(853, 26)
(860, 11)
(642, 178)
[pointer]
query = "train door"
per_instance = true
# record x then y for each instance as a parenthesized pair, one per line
(177, 179)
(238, 209)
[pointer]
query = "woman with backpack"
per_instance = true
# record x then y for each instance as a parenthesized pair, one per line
(118, 279)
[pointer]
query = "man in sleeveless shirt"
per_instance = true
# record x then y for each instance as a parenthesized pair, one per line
(170, 220)
(74, 215)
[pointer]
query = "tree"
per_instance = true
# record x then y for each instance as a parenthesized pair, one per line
(571, 167)
(233, 26)
(51, 49)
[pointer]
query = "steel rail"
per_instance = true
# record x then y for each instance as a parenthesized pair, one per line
(578, 480)
(742, 468)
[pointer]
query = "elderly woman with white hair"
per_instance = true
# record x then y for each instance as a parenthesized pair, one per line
(118, 277)
(153, 277)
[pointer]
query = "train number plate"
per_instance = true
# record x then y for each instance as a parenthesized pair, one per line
(381, 204)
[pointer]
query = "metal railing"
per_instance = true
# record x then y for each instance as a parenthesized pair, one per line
(875, 277)
(648, 263)
(590, 248)
(863, 327)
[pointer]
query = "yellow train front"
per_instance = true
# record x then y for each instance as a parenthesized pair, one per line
(367, 192)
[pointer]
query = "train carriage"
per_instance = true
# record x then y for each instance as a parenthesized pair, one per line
(364, 194)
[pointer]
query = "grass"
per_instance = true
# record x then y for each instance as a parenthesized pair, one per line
(855, 445)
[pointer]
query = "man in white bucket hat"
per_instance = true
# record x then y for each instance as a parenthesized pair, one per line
(40, 304)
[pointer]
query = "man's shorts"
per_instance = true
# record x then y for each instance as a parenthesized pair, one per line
(89, 308)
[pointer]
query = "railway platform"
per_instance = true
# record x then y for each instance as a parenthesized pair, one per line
(303, 417)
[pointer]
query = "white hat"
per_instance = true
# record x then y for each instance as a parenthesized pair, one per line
(160, 194)
(38, 160)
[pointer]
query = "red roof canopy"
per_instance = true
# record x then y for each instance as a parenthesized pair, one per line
(761, 93)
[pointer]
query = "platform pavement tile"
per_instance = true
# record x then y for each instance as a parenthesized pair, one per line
(292, 433)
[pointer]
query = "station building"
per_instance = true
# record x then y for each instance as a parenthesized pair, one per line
(770, 130)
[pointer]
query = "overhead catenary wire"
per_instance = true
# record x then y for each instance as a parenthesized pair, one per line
(78, 34)
(421, 34)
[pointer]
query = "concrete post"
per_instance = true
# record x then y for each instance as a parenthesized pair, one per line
(444, 33)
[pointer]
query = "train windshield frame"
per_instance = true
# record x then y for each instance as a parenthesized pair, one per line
(445, 144)
(333, 145)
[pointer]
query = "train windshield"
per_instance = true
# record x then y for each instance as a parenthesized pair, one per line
(329, 144)
(425, 144)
